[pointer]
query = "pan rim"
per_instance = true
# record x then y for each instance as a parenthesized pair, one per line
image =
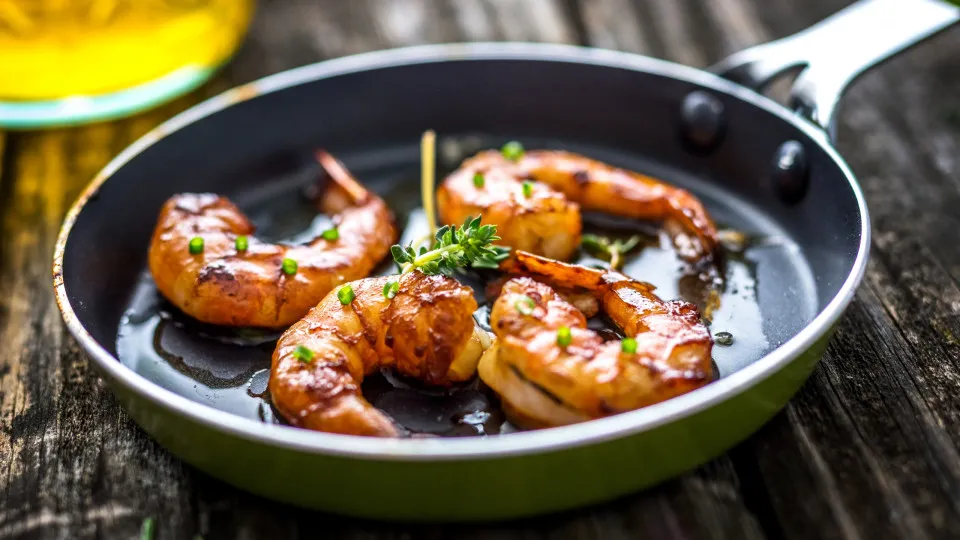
(444, 449)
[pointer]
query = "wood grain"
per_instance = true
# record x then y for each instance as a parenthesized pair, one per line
(868, 449)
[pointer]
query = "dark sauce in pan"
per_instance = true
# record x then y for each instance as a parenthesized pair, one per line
(229, 368)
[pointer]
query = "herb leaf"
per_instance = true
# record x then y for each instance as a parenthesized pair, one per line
(400, 255)
(454, 247)
(627, 245)
(611, 250)
(595, 244)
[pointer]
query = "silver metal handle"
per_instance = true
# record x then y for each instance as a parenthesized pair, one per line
(835, 51)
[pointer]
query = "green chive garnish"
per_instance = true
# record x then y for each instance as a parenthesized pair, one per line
(478, 180)
(527, 189)
(563, 336)
(303, 354)
(346, 294)
(525, 305)
(628, 345)
(390, 289)
(241, 243)
(331, 234)
(289, 266)
(147, 529)
(196, 245)
(513, 150)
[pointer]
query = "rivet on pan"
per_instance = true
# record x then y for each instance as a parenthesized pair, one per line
(702, 121)
(790, 172)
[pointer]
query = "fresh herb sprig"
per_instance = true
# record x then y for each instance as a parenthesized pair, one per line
(612, 250)
(469, 245)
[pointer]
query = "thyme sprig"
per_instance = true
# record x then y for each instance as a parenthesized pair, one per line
(470, 245)
(612, 250)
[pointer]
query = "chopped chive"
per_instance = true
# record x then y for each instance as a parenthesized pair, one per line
(196, 245)
(289, 266)
(527, 189)
(303, 354)
(513, 150)
(241, 243)
(147, 529)
(346, 294)
(525, 305)
(390, 289)
(628, 345)
(478, 180)
(331, 234)
(563, 336)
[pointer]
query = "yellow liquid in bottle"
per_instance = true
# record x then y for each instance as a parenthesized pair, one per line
(51, 49)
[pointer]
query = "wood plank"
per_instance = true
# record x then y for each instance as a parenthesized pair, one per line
(613, 24)
(673, 26)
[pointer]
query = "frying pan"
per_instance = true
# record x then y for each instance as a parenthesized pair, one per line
(760, 167)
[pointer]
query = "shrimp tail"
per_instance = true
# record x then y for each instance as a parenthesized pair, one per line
(342, 178)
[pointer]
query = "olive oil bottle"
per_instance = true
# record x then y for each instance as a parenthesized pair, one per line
(71, 61)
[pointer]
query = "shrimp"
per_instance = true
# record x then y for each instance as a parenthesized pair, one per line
(426, 331)
(544, 381)
(543, 217)
(234, 279)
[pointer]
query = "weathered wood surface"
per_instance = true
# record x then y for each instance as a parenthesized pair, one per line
(870, 448)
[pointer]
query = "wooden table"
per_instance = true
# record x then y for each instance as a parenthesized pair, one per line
(870, 448)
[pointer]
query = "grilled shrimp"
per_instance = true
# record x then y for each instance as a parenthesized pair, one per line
(550, 369)
(536, 201)
(205, 260)
(425, 331)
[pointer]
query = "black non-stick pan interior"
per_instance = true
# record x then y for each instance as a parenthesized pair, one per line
(259, 153)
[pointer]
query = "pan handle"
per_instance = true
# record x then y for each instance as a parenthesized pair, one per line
(835, 51)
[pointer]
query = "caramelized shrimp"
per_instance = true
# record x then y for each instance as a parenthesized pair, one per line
(544, 217)
(548, 377)
(426, 331)
(205, 260)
